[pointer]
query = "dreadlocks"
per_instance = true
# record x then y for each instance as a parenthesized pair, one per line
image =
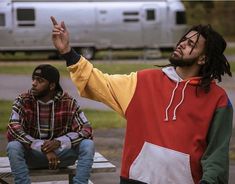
(216, 63)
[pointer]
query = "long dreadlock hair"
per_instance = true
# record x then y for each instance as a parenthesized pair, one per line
(216, 64)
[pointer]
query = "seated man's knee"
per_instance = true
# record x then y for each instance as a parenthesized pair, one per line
(14, 147)
(87, 146)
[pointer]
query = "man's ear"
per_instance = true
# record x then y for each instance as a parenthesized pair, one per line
(52, 86)
(202, 60)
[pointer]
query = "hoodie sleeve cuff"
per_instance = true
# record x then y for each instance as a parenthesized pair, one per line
(37, 144)
(71, 57)
(65, 142)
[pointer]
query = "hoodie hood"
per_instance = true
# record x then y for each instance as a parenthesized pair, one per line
(171, 73)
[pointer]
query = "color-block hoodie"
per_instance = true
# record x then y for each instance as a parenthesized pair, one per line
(176, 133)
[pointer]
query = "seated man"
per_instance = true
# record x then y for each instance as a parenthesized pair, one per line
(47, 129)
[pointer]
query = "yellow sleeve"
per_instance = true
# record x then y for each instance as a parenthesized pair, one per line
(116, 91)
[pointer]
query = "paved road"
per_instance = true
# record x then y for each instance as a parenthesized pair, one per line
(12, 86)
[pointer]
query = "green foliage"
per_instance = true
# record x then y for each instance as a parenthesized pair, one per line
(207, 5)
(220, 14)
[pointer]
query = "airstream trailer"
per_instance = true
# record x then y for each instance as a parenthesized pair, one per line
(25, 25)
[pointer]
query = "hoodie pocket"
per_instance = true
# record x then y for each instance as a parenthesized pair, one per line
(158, 165)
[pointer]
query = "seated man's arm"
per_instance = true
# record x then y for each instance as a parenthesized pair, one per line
(15, 130)
(80, 128)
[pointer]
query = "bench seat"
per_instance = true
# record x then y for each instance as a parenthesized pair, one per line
(100, 165)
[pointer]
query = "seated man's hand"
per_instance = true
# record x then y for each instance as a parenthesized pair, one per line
(50, 145)
(53, 160)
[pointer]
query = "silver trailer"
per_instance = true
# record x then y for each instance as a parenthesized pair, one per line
(25, 25)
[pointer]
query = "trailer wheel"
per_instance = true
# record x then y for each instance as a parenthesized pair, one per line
(87, 52)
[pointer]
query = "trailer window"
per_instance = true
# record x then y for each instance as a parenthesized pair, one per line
(180, 17)
(150, 15)
(25, 14)
(2, 19)
(131, 20)
(130, 16)
(130, 13)
(26, 17)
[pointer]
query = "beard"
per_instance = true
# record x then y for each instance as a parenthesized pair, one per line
(41, 94)
(181, 62)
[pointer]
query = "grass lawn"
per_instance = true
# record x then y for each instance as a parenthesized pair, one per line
(111, 68)
(26, 68)
(5, 109)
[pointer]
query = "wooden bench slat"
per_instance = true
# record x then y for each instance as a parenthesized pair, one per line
(4, 161)
(99, 167)
(103, 167)
(99, 158)
(5, 171)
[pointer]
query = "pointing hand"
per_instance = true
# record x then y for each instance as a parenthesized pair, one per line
(60, 36)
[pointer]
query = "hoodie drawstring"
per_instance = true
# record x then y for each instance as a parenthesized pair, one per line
(38, 120)
(182, 99)
(171, 100)
(52, 119)
(172, 96)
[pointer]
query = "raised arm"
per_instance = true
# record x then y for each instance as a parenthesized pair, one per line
(115, 91)
(60, 36)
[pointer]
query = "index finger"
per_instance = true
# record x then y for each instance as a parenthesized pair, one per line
(54, 21)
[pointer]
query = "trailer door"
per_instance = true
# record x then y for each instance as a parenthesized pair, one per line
(151, 26)
(119, 25)
(5, 25)
(25, 31)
